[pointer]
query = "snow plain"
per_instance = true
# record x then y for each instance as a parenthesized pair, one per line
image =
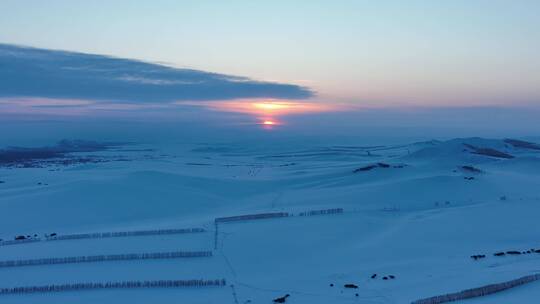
(419, 217)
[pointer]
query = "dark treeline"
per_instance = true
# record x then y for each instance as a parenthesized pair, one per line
(478, 292)
(110, 257)
(111, 285)
(18, 155)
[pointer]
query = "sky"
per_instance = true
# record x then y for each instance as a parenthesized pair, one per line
(269, 62)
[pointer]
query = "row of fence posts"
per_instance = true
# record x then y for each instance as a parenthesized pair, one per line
(97, 235)
(247, 217)
(124, 234)
(16, 242)
(113, 285)
(478, 292)
(259, 216)
(216, 233)
(110, 257)
(321, 212)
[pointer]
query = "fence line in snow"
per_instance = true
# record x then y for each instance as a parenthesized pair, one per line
(247, 217)
(102, 258)
(112, 285)
(124, 234)
(321, 212)
(15, 242)
(235, 297)
(216, 234)
(479, 291)
(99, 235)
(259, 216)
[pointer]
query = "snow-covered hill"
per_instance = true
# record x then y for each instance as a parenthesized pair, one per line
(416, 212)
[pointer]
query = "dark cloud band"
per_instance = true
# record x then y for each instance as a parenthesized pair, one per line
(32, 72)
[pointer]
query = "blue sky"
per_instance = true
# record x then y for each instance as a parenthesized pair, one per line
(369, 52)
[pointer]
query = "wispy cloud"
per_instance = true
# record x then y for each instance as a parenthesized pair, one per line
(31, 72)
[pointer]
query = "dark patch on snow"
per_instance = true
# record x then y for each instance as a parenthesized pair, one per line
(198, 164)
(281, 299)
(377, 165)
(522, 144)
(366, 168)
(478, 256)
(471, 169)
(358, 147)
(488, 152)
(506, 253)
(137, 150)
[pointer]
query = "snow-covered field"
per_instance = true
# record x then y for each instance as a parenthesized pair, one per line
(416, 212)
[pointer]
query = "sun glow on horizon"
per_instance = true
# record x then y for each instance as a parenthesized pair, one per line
(268, 111)
(267, 107)
(271, 106)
